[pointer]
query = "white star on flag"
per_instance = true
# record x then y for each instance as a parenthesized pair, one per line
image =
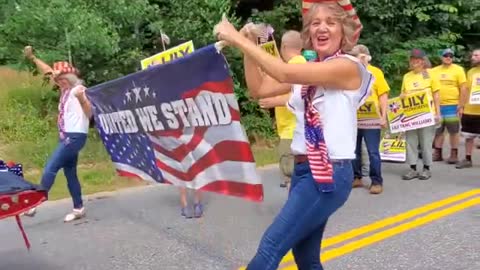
(136, 91)
(146, 89)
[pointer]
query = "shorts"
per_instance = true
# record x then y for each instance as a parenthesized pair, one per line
(471, 126)
(450, 120)
(285, 156)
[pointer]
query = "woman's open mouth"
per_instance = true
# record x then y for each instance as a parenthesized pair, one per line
(322, 40)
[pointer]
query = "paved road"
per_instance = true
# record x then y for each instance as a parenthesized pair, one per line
(142, 229)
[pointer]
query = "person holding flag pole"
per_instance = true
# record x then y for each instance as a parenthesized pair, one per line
(197, 209)
(325, 98)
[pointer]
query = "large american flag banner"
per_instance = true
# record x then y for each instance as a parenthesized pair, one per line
(178, 123)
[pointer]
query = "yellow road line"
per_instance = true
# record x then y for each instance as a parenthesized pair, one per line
(288, 258)
(369, 240)
(388, 221)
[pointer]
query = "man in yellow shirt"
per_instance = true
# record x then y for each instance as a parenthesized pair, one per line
(452, 81)
(420, 79)
(371, 135)
(470, 113)
(291, 52)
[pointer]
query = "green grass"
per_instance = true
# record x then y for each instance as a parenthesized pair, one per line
(264, 155)
(28, 134)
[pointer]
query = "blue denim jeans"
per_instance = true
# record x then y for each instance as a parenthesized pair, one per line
(65, 157)
(372, 141)
(302, 220)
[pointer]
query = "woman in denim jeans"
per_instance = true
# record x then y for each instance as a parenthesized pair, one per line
(73, 123)
(325, 97)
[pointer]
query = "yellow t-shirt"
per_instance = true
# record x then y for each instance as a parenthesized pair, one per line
(473, 83)
(451, 78)
(380, 85)
(415, 82)
(286, 119)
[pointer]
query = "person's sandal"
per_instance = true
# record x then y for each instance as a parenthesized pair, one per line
(31, 212)
(198, 210)
(75, 214)
(186, 212)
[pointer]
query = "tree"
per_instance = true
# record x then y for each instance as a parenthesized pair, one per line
(107, 39)
(392, 28)
(95, 35)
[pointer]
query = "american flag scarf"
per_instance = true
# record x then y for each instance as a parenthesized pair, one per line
(317, 153)
(61, 114)
(60, 68)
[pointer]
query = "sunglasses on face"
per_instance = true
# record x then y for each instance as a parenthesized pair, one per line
(448, 56)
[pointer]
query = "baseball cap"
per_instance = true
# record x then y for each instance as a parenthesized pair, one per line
(447, 51)
(417, 53)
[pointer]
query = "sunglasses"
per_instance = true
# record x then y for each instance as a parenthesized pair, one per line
(448, 55)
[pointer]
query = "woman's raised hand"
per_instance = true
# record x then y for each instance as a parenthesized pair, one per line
(225, 31)
(28, 52)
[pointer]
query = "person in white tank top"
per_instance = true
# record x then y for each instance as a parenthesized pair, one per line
(325, 104)
(73, 123)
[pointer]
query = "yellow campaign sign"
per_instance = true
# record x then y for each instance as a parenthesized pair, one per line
(475, 90)
(393, 149)
(414, 111)
(169, 55)
(368, 116)
(271, 48)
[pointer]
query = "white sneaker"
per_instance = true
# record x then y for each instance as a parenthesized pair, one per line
(31, 212)
(76, 214)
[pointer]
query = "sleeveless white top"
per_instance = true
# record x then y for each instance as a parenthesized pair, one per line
(72, 118)
(338, 112)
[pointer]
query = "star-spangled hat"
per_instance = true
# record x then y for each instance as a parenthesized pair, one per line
(347, 7)
(63, 67)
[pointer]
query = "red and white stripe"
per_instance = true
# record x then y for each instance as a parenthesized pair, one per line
(62, 67)
(320, 165)
(61, 112)
(216, 158)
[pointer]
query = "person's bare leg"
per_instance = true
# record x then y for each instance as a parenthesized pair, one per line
(469, 146)
(198, 208)
(186, 212)
(438, 145)
(454, 141)
(198, 196)
(183, 197)
(467, 162)
(439, 138)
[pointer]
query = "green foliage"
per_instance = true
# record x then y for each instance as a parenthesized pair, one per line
(192, 20)
(286, 15)
(107, 39)
(431, 25)
(28, 129)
